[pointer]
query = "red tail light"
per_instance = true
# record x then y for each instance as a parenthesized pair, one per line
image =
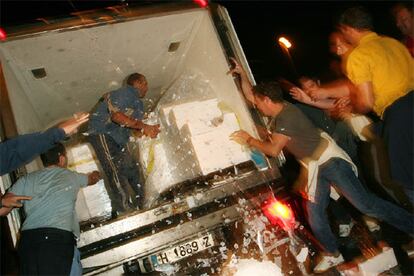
(201, 3)
(3, 35)
(279, 213)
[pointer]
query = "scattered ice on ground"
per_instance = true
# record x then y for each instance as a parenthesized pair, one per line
(204, 262)
(167, 269)
(248, 267)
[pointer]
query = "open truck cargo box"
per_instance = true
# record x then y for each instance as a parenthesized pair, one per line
(49, 71)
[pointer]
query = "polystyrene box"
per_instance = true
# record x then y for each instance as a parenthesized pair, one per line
(93, 201)
(213, 149)
(198, 114)
(378, 264)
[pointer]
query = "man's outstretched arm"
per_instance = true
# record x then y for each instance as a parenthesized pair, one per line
(271, 148)
(22, 149)
(246, 86)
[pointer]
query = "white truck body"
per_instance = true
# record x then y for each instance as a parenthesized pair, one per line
(50, 71)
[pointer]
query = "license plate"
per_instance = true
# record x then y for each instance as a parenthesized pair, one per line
(183, 250)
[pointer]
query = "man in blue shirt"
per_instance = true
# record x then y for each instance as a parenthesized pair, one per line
(22, 149)
(113, 118)
(49, 231)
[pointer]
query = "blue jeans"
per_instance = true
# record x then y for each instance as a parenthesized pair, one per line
(339, 174)
(76, 269)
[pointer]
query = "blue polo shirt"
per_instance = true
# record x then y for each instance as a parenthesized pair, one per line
(126, 100)
(54, 191)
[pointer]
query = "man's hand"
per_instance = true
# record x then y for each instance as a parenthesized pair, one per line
(71, 126)
(240, 137)
(11, 200)
(237, 69)
(300, 95)
(94, 177)
(318, 94)
(151, 130)
(137, 133)
(342, 109)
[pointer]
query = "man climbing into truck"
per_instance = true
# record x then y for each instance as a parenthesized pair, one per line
(112, 121)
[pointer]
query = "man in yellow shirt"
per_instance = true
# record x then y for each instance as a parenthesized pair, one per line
(381, 74)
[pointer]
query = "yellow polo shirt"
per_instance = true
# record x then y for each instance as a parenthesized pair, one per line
(387, 64)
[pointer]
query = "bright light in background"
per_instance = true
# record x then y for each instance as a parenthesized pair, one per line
(279, 213)
(285, 42)
(3, 35)
(201, 3)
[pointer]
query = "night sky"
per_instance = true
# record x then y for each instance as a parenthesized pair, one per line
(258, 23)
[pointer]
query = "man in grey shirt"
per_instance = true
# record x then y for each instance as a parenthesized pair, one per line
(49, 232)
(326, 166)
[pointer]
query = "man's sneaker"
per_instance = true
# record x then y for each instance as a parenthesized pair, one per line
(371, 223)
(409, 249)
(345, 229)
(327, 262)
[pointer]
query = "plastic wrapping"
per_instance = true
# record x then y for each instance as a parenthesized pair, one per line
(194, 139)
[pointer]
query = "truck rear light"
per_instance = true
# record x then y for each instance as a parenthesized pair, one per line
(201, 3)
(279, 213)
(3, 34)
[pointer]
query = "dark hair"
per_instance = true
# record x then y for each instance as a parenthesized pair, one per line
(51, 157)
(401, 5)
(131, 79)
(308, 77)
(356, 17)
(269, 89)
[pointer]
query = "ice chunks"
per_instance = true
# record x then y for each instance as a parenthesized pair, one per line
(194, 141)
(248, 267)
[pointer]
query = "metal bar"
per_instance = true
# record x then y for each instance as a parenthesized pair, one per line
(180, 205)
(144, 246)
(93, 18)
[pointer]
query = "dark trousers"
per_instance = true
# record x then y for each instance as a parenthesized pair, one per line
(397, 132)
(46, 251)
(121, 171)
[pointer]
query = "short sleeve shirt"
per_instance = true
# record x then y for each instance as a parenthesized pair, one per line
(387, 64)
(305, 137)
(54, 191)
(125, 100)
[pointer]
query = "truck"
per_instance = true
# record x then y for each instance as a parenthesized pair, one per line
(56, 67)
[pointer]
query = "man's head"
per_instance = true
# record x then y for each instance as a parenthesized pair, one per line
(404, 18)
(268, 97)
(338, 44)
(56, 156)
(309, 83)
(139, 82)
(353, 23)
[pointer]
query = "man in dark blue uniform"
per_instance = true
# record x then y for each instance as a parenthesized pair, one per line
(113, 118)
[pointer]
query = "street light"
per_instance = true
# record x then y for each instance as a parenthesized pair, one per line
(285, 44)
